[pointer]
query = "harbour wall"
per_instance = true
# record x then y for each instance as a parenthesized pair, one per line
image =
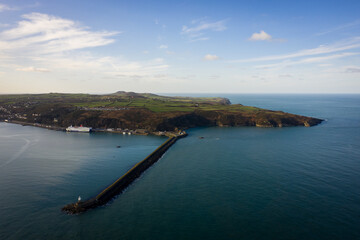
(123, 182)
(51, 127)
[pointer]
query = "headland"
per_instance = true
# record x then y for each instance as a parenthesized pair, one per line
(138, 113)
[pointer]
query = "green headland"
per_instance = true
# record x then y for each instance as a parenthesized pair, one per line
(139, 112)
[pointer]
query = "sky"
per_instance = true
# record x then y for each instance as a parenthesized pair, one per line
(180, 46)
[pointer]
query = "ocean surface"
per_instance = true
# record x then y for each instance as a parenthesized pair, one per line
(236, 183)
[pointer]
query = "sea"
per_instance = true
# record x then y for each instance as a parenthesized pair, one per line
(234, 183)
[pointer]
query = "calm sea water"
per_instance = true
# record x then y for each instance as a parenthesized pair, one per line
(236, 183)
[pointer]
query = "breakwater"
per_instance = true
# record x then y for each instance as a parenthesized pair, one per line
(51, 127)
(124, 181)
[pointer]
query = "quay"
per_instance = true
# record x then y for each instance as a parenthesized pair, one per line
(123, 182)
(51, 127)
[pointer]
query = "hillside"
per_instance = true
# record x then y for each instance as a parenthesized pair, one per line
(129, 110)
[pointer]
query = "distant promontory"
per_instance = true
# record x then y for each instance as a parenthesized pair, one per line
(141, 112)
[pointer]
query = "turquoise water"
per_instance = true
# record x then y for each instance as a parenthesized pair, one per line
(236, 183)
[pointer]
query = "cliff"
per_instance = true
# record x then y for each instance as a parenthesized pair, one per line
(128, 110)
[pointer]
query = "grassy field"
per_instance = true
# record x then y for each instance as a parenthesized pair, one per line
(150, 102)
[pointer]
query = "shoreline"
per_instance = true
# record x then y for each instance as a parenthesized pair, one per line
(50, 127)
(125, 180)
(124, 132)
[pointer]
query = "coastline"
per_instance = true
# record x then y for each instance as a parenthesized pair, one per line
(124, 132)
(50, 127)
(276, 157)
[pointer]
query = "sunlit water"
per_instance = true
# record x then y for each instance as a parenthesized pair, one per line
(236, 183)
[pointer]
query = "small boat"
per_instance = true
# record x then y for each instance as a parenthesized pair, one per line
(118, 146)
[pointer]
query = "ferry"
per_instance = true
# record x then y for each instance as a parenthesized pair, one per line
(78, 129)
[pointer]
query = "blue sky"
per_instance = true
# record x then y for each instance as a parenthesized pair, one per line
(180, 46)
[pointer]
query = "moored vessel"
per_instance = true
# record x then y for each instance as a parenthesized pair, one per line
(78, 129)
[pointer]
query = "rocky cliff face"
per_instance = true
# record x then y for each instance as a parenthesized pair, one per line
(223, 118)
(143, 119)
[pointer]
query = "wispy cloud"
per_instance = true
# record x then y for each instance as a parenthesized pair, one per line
(32, 69)
(214, 77)
(325, 65)
(198, 28)
(341, 27)
(201, 26)
(4, 7)
(285, 76)
(308, 60)
(329, 57)
(352, 69)
(262, 36)
(347, 69)
(163, 46)
(49, 34)
(3, 25)
(196, 39)
(322, 49)
(209, 57)
(58, 44)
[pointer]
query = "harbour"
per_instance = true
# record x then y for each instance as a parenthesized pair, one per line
(247, 182)
(123, 182)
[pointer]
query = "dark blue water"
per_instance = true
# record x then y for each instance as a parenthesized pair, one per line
(236, 183)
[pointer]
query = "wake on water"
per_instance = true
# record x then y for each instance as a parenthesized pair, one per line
(18, 153)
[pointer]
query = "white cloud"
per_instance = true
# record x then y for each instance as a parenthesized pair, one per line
(308, 60)
(4, 7)
(209, 57)
(49, 34)
(325, 65)
(32, 69)
(58, 46)
(214, 26)
(347, 69)
(262, 36)
(163, 47)
(329, 57)
(214, 77)
(322, 49)
(199, 39)
(161, 75)
(352, 69)
(341, 27)
(198, 28)
(285, 76)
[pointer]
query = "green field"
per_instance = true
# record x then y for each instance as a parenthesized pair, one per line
(152, 102)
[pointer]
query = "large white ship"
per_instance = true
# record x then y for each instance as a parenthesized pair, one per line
(78, 129)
